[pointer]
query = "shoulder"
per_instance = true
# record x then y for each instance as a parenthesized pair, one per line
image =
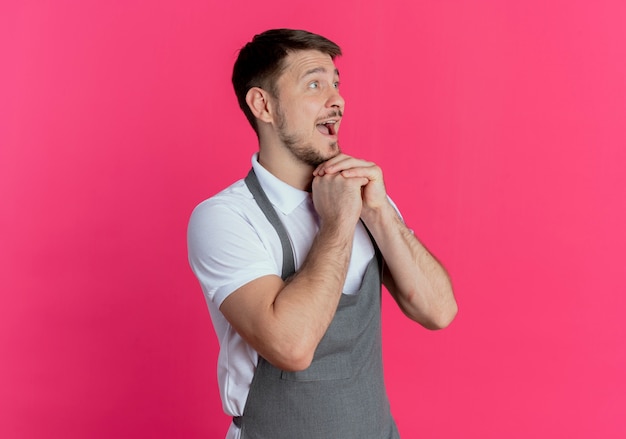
(235, 198)
(231, 219)
(228, 208)
(226, 218)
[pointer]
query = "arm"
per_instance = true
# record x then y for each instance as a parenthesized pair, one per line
(415, 279)
(285, 321)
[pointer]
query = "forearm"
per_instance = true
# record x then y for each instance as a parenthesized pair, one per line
(305, 306)
(418, 282)
(285, 321)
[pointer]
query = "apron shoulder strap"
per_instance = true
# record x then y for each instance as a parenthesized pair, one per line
(264, 203)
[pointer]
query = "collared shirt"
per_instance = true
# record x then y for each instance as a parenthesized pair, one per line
(231, 243)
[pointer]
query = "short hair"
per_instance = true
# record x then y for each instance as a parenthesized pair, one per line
(261, 61)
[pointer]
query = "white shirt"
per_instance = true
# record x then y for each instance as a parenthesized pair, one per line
(231, 243)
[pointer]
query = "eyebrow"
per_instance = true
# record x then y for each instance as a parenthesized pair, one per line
(317, 70)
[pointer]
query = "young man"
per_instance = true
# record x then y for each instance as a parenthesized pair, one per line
(291, 259)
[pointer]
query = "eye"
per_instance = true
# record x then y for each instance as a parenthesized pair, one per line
(314, 85)
(336, 85)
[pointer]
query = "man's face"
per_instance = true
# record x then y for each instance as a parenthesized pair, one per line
(309, 107)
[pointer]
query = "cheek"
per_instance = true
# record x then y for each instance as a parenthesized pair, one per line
(300, 115)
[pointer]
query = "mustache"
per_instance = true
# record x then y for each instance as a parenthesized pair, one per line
(334, 113)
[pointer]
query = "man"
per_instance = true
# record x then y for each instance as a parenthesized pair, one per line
(291, 259)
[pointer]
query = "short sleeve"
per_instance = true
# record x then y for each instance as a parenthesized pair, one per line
(225, 250)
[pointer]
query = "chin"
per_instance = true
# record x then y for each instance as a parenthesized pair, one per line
(314, 155)
(335, 150)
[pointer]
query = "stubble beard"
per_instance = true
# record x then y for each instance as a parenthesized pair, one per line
(303, 151)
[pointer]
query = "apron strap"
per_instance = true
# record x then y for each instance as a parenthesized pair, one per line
(289, 266)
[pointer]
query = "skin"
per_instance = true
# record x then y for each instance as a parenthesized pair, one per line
(284, 321)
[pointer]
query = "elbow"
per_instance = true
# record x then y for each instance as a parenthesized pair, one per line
(292, 362)
(297, 364)
(445, 313)
(288, 349)
(434, 315)
(293, 357)
(443, 318)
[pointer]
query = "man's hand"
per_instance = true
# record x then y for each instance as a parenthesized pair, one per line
(374, 194)
(337, 198)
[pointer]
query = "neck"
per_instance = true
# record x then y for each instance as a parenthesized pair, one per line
(284, 166)
(292, 172)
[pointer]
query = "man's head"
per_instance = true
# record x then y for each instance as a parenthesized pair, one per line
(261, 61)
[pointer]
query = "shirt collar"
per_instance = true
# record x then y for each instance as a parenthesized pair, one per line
(282, 196)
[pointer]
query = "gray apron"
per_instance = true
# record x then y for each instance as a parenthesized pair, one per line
(342, 394)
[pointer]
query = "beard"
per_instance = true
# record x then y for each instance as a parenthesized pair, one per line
(300, 149)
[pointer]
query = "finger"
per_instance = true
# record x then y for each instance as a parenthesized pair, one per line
(322, 168)
(370, 171)
(337, 165)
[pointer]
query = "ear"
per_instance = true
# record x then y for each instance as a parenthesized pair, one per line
(258, 102)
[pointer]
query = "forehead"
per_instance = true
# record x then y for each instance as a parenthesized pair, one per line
(299, 64)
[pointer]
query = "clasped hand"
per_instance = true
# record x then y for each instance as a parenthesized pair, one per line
(346, 188)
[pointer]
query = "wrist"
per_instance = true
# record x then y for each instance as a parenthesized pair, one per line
(382, 214)
(337, 229)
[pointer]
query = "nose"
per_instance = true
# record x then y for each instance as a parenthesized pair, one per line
(335, 99)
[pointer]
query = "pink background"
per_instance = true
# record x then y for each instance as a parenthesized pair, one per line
(500, 126)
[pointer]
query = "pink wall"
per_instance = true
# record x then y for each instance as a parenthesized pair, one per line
(501, 128)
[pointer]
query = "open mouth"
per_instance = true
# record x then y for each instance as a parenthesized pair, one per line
(327, 127)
